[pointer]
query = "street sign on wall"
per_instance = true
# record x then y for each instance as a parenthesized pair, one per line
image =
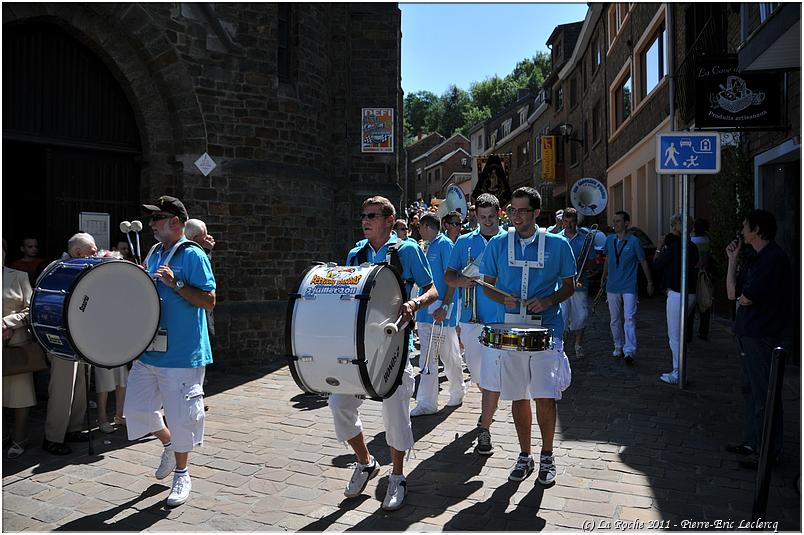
(690, 153)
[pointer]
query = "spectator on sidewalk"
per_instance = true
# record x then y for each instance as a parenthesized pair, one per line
(700, 237)
(18, 390)
(762, 289)
(67, 390)
(623, 252)
(30, 263)
(668, 263)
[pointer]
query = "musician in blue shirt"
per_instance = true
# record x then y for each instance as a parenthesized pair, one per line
(538, 268)
(623, 253)
(478, 310)
(438, 320)
(575, 310)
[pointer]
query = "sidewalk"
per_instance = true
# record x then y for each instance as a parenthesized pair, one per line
(629, 450)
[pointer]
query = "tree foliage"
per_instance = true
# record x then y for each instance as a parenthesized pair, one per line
(458, 110)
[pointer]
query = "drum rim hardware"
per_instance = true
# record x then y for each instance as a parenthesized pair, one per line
(507, 331)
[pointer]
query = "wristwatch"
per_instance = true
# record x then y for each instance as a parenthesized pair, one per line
(179, 285)
(415, 303)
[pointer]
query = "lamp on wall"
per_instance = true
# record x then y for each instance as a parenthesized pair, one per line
(566, 130)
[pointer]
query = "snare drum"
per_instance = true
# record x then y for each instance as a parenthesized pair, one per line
(99, 310)
(335, 331)
(515, 337)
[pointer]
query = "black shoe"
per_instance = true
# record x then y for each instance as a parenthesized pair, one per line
(740, 449)
(56, 448)
(76, 436)
(629, 360)
(484, 446)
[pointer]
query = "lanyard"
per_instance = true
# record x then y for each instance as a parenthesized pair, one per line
(619, 252)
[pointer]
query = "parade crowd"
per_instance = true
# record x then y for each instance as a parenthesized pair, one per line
(494, 267)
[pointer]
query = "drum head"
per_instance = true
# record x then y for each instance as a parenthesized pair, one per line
(385, 355)
(113, 313)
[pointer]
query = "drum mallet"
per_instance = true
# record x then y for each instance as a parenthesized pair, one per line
(392, 328)
(136, 226)
(125, 228)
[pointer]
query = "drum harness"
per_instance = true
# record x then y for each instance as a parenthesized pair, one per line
(391, 258)
(524, 316)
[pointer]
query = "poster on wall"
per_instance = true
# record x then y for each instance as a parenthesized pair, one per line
(726, 99)
(377, 130)
(96, 224)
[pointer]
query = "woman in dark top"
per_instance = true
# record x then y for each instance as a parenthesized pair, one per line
(668, 263)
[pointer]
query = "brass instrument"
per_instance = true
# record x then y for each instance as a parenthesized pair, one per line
(439, 339)
(580, 262)
(470, 294)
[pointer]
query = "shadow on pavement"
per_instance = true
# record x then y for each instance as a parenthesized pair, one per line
(139, 521)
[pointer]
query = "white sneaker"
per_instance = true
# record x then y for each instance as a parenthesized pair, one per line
(421, 410)
(360, 478)
(395, 495)
(670, 378)
(180, 490)
(618, 353)
(578, 351)
(167, 464)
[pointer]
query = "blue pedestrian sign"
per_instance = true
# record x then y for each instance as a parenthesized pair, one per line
(688, 153)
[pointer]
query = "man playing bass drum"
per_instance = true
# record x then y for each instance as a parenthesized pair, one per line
(377, 220)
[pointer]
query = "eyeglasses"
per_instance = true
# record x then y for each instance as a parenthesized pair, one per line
(521, 211)
(159, 217)
(370, 215)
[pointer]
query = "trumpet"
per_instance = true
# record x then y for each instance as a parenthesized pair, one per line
(588, 242)
(439, 339)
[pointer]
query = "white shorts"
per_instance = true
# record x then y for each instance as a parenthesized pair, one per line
(395, 414)
(483, 362)
(575, 311)
(534, 375)
(106, 380)
(179, 391)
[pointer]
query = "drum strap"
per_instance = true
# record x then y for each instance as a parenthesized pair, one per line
(181, 244)
(392, 258)
(526, 265)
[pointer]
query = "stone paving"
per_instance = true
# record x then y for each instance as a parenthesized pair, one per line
(632, 453)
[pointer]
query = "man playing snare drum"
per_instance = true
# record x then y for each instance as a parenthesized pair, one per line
(538, 267)
(377, 219)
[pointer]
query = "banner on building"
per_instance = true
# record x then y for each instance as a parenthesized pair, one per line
(548, 158)
(726, 99)
(493, 177)
(378, 130)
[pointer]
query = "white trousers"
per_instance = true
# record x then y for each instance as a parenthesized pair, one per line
(450, 354)
(178, 391)
(622, 308)
(395, 414)
(575, 311)
(472, 349)
(674, 334)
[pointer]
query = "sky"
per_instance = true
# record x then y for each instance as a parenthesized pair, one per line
(444, 44)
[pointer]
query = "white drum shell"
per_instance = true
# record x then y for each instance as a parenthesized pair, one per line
(326, 330)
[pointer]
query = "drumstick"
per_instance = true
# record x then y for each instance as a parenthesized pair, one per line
(393, 328)
(492, 287)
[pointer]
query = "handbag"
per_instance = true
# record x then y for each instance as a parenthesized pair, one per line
(705, 291)
(24, 359)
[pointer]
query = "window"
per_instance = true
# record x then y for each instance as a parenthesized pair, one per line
(623, 100)
(523, 116)
(506, 127)
(493, 139)
(573, 90)
(438, 176)
(585, 136)
(573, 147)
(418, 176)
(559, 98)
(596, 129)
(522, 154)
(765, 10)
(429, 177)
(616, 17)
(583, 74)
(653, 62)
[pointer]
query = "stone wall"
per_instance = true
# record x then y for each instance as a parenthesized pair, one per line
(291, 175)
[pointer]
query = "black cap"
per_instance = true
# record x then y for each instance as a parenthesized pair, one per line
(168, 204)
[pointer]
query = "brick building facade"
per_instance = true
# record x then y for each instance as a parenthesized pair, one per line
(273, 92)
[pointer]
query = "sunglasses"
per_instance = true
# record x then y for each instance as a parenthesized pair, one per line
(370, 215)
(159, 217)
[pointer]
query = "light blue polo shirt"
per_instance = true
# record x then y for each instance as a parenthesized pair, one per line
(488, 311)
(414, 264)
(576, 242)
(623, 258)
(188, 341)
(438, 254)
(559, 263)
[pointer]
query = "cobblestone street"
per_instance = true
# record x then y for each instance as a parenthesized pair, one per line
(629, 449)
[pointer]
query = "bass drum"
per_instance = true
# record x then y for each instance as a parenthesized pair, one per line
(102, 311)
(335, 331)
